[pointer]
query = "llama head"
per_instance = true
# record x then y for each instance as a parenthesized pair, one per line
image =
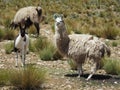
(22, 30)
(39, 10)
(59, 22)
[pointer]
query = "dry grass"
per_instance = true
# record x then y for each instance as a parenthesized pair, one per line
(99, 17)
(28, 78)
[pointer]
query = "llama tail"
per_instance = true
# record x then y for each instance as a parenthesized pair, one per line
(13, 25)
(106, 50)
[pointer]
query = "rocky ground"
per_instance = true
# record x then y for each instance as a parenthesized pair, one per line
(59, 75)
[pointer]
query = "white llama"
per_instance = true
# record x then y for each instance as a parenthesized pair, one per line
(79, 47)
(21, 45)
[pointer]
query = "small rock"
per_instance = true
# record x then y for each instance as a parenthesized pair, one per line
(115, 82)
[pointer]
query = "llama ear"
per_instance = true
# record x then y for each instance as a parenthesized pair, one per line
(62, 15)
(55, 16)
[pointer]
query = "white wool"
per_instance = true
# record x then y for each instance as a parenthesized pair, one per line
(22, 44)
(26, 12)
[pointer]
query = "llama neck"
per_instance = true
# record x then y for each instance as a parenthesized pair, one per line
(62, 41)
(21, 38)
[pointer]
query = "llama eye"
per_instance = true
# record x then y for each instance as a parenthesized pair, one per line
(58, 23)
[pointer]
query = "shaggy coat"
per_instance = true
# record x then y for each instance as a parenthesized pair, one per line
(27, 16)
(79, 47)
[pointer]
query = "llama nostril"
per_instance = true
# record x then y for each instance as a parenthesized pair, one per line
(58, 23)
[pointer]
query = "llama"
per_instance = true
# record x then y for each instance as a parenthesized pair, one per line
(79, 47)
(21, 44)
(33, 13)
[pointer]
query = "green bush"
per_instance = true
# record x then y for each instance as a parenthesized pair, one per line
(111, 66)
(28, 78)
(45, 49)
(40, 43)
(4, 77)
(47, 53)
(32, 30)
(72, 64)
(9, 34)
(31, 46)
(2, 34)
(114, 44)
(9, 47)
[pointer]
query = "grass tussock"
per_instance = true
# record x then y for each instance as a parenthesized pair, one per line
(32, 30)
(72, 64)
(9, 34)
(4, 77)
(47, 53)
(2, 34)
(28, 78)
(31, 46)
(6, 34)
(111, 66)
(44, 48)
(40, 43)
(9, 47)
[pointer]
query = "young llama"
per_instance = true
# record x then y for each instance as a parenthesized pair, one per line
(21, 44)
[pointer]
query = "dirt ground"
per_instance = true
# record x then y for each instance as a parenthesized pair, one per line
(59, 74)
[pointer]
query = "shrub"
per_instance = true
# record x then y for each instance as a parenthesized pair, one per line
(40, 43)
(72, 64)
(111, 66)
(9, 47)
(29, 78)
(7, 22)
(4, 77)
(2, 34)
(32, 30)
(47, 53)
(9, 34)
(45, 49)
(110, 32)
(31, 46)
(114, 44)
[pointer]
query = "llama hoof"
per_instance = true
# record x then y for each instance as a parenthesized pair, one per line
(78, 76)
(87, 79)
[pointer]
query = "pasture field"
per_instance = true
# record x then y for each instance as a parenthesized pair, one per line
(96, 17)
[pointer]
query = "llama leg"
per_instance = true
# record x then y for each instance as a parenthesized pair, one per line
(23, 57)
(16, 64)
(80, 71)
(37, 27)
(93, 70)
